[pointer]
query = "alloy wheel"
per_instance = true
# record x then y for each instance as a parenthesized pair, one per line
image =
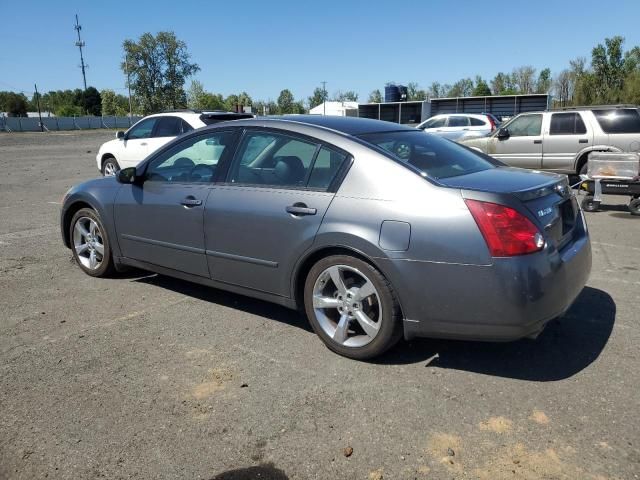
(88, 243)
(110, 169)
(347, 306)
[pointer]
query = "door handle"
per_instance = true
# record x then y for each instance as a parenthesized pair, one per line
(537, 142)
(583, 140)
(300, 209)
(144, 144)
(191, 202)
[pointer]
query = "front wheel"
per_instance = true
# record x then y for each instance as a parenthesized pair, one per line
(90, 243)
(589, 204)
(110, 167)
(352, 307)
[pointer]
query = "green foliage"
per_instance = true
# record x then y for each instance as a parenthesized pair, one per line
(481, 88)
(91, 102)
(114, 104)
(376, 96)
(348, 96)
(14, 104)
(415, 93)
(462, 88)
(158, 68)
(543, 84)
(317, 98)
(286, 103)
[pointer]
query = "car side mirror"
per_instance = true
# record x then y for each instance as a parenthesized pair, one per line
(120, 135)
(503, 133)
(127, 175)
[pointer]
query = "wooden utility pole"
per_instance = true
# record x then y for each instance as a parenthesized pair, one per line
(39, 112)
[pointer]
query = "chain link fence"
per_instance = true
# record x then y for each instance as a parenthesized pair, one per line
(31, 124)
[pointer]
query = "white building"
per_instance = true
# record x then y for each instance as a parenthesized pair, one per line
(341, 109)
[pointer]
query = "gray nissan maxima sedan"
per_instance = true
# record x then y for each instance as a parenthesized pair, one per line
(376, 230)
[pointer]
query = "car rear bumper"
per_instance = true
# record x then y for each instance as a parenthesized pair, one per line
(511, 299)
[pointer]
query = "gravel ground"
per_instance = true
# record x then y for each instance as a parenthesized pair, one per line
(150, 377)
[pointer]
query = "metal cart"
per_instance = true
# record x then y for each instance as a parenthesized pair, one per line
(595, 189)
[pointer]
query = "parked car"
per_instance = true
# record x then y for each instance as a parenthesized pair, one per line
(561, 141)
(131, 147)
(456, 126)
(375, 229)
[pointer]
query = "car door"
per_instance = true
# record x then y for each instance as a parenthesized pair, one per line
(160, 220)
(457, 126)
(165, 130)
(135, 144)
(435, 125)
(564, 136)
(522, 147)
(266, 215)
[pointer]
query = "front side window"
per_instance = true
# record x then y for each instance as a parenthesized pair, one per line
(458, 122)
(432, 156)
(192, 160)
(142, 129)
(567, 124)
(525, 126)
(168, 127)
(272, 159)
(435, 123)
(625, 120)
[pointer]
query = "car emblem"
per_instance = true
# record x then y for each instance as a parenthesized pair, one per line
(544, 211)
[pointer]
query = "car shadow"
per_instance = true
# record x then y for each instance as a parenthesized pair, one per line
(262, 472)
(228, 299)
(566, 346)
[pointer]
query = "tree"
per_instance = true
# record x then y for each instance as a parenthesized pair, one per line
(230, 102)
(631, 92)
(199, 99)
(436, 90)
(563, 87)
(415, 93)
(523, 79)
(348, 96)
(15, 104)
(376, 96)
(244, 99)
(158, 68)
(317, 98)
(502, 84)
(114, 104)
(544, 82)
(91, 102)
(481, 88)
(608, 65)
(462, 88)
(286, 103)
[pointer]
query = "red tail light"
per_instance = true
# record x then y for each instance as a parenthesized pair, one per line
(493, 124)
(506, 231)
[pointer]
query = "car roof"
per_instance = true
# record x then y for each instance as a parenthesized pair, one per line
(345, 125)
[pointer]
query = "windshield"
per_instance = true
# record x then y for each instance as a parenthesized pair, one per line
(432, 156)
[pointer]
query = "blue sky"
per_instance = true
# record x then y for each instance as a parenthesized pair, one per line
(264, 46)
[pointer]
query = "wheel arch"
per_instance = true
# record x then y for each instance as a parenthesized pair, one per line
(105, 157)
(311, 258)
(68, 214)
(583, 155)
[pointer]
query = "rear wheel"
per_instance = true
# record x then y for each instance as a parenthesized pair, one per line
(352, 307)
(589, 204)
(634, 206)
(110, 167)
(90, 243)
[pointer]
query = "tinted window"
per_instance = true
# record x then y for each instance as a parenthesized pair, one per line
(567, 124)
(168, 127)
(193, 160)
(325, 168)
(186, 127)
(618, 120)
(435, 123)
(142, 130)
(266, 158)
(458, 122)
(433, 156)
(476, 122)
(525, 126)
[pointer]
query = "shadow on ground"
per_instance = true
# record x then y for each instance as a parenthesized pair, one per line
(261, 472)
(567, 346)
(227, 299)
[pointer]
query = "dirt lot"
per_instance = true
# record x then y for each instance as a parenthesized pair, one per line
(149, 377)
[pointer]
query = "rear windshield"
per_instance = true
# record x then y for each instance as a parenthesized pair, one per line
(618, 120)
(432, 156)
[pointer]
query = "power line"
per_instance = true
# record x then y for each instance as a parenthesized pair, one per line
(81, 44)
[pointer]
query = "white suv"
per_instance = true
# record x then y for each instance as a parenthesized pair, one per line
(458, 126)
(146, 136)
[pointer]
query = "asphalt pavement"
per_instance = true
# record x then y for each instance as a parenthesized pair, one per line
(145, 376)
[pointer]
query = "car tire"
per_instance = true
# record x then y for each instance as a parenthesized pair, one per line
(634, 206)
(90, 243)
(589, 204)
(360, 319)
(110, 167)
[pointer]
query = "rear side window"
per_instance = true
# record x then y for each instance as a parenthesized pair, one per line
(325, 168)
(618, 120)
(476, 122)
(186, 127)
(432, 156)
(567, 124)
(168, 127)
(458, 122)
